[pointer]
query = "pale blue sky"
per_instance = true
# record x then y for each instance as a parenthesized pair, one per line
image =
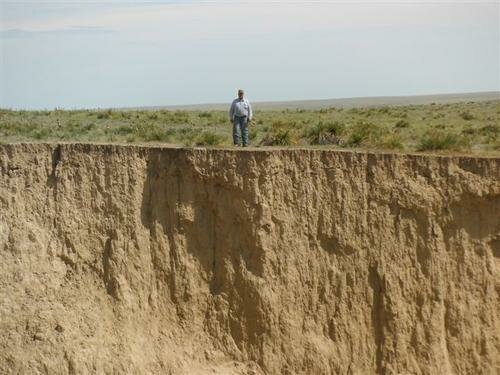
(86, 54)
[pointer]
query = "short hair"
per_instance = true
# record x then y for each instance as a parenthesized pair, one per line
(241, 91)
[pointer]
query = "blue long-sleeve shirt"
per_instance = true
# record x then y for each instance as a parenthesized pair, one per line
(240, 108)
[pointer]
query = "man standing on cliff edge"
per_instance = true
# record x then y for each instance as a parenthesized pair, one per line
(240, 114)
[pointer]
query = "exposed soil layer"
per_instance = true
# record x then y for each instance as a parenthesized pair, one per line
(125, 259)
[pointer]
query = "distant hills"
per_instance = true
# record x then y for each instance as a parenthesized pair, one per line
(346, 102)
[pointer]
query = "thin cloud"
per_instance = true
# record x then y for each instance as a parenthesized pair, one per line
(223, 18)
(73, 30)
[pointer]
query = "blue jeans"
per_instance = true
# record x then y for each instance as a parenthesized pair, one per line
(240, 125)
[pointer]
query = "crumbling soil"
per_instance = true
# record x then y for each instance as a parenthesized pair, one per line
(149, 260)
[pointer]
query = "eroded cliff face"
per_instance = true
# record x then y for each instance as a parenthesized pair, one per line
(122, 259)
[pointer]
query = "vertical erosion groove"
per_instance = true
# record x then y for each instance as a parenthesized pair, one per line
(157, 260)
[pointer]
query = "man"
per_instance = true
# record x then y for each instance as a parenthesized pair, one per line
(240, 114)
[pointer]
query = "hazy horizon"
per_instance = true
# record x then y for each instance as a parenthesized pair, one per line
(75, 54)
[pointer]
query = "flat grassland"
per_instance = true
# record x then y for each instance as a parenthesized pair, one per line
(467, 127)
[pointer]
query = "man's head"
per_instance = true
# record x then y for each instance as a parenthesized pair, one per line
(241, 93)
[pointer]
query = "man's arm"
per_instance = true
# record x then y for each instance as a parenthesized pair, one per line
(250, 113)
(231, 111)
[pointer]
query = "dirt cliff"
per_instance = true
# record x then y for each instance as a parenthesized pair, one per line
(126, 259)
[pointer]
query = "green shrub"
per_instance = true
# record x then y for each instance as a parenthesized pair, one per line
(392, 142)
(180, 116)
(355, 139)
(467, 116)
(490, 130)
(131, 138)
(124, 130)
(205, 114)
(282, 138)
(402, 114)
(72, 129)
(17, 128)
(208, 138)
(279, 124)
(187, 135)
(42, 133)
(252, 135)
(153, 116)
(469, 131)
(402, 124)
(89, 127)
(153, 133)
(277, 138)
(104, 114)
(360, 133)
(435, 140)
(324, 133)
